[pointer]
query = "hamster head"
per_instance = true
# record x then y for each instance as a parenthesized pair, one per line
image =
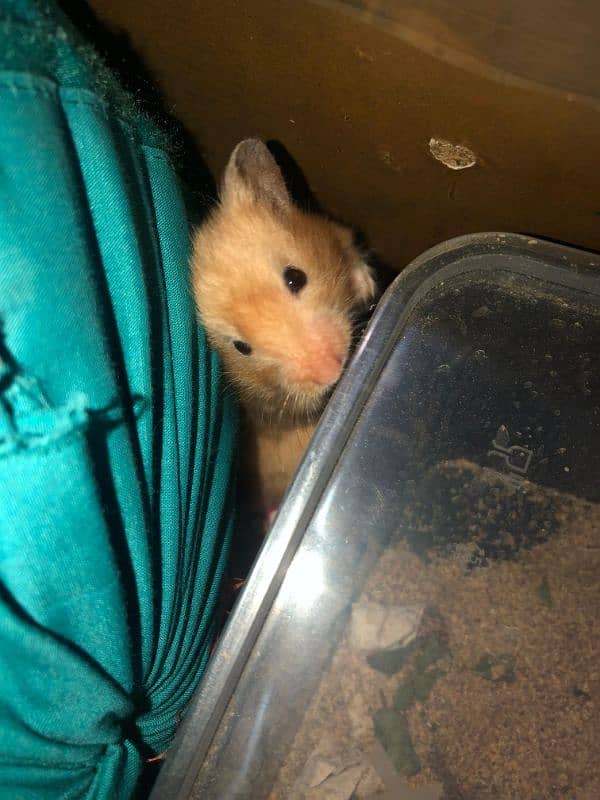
(276, 289)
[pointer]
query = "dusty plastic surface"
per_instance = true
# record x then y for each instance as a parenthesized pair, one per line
(423, 619)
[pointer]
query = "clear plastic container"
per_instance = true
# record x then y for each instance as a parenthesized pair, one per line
(423, 620)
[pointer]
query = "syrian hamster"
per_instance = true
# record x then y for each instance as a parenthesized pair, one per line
(277, 290)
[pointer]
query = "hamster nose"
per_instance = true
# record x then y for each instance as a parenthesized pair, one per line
(320, 358)
(327, 369)
(324, 368)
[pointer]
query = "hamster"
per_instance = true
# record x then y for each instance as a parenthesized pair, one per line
(277, 290)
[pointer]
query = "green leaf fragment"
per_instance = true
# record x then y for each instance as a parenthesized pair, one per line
(391, 725)
(543, 592)
(416, 689)
(498, 669)
(390, 661)
(391, 728)
(434, 649)
(428, 650)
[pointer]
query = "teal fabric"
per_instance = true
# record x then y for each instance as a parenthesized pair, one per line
(116, 439)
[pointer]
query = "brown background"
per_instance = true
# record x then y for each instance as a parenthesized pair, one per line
(355, 91)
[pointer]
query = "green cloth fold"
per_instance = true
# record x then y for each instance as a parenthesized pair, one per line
(116, 438)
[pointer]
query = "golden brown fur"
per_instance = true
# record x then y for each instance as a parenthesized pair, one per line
(299, 341)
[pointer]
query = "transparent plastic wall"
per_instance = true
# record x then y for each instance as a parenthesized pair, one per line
(422, 622)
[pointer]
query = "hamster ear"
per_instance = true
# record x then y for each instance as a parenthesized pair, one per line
(252, 174)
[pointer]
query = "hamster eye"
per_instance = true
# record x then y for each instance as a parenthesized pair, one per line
(295, 279)
(242, 347)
